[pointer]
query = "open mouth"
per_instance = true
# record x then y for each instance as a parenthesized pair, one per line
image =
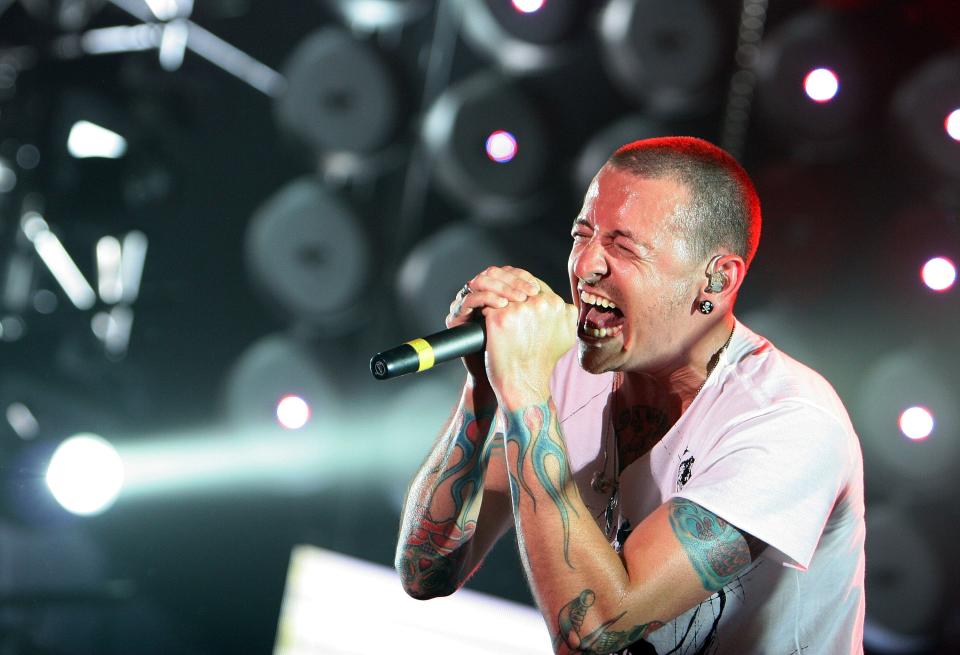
(599, 317)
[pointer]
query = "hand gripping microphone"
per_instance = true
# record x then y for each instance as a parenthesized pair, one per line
(420, 354)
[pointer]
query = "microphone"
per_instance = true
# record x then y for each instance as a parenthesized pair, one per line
(420, 354)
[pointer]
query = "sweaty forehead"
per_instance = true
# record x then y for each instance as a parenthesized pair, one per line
(619, 199)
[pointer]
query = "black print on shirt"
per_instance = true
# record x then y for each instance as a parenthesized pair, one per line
(686, 470)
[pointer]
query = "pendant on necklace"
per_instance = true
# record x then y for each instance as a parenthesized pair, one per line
(609, 515)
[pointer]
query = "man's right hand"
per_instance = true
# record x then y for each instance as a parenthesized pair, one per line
(492, 288)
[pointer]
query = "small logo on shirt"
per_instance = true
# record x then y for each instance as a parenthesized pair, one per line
(685, 472)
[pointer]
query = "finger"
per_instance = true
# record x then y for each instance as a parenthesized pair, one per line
(501, 282)
(479, 299)
(524, 280)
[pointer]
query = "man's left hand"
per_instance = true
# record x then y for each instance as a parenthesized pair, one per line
(524, 342)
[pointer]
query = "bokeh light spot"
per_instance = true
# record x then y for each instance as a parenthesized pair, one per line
(501, 146)
(85, 474)
(528, 6)
(952, 124)
(821, 85)
(293, 412)
(939, 274)
(916, 423)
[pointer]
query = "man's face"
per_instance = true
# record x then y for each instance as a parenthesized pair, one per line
(626, 249)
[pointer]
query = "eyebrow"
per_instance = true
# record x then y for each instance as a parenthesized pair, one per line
(579, 220)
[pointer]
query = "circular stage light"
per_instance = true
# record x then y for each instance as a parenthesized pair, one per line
(487, 109)
(85, 474)
(797, 95)
(910, 393)
(526, 35)
(916, 423)
(341, 95)
(665, 55)
(501, 146)
(939, 274)
(309, 257)
(952, 124)
(528, 6)
(284, 367)
(435, 269)
(926, 109)
(821, 85)
(293, 412)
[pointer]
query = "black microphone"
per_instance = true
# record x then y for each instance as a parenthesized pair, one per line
(420, 354)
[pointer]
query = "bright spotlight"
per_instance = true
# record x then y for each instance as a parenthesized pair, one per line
(528, 6)
(91, 140)
(916, 423)
(821, 85)
(501, 146)
(952, 124)
(293, 412)
(939, 274)
(85, 474)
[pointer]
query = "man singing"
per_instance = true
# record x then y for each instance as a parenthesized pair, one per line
(676, 483)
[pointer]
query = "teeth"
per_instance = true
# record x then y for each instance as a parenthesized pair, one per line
(596, 300)
(600, 333)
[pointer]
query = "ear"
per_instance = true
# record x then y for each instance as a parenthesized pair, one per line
(731, 270)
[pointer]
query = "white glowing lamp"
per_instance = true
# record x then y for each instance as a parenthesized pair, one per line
(85, 474)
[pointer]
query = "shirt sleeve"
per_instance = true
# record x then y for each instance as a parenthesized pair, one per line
(776, 475)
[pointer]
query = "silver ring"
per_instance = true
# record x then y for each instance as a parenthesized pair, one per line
(465, 290)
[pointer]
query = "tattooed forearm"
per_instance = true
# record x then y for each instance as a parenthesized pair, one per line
(440, 522)
(570, 622)
(716, 549)
(534, 432)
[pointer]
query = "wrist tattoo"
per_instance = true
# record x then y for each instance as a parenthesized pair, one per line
(535, 432)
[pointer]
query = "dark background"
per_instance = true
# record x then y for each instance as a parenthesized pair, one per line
(853, 206)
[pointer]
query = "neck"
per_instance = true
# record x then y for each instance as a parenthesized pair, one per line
(674, 390)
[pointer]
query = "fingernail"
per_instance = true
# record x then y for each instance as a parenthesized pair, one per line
(523, 297)
(502, 302)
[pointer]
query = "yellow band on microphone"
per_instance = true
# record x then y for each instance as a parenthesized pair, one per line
(424, 353)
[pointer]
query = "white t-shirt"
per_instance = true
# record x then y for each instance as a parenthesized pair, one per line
(768, 446)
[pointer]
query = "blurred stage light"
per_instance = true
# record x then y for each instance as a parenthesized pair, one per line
(805, 58)
(284, 367)
(22, 420)
(821, 85)
(88, 139)
(920, 381)
(952, 124)
(109, 283)
(920, 104)
(501, 146)
(308, 255)
(85, 474)
(455, 130)
(373, 15)
(916, 423)
(293, 412)
(939, 274)
(665, 55)
(525, 35)
(528, 6)
(58, 261)
(8, 177)
(340, 96)
(434, 271)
